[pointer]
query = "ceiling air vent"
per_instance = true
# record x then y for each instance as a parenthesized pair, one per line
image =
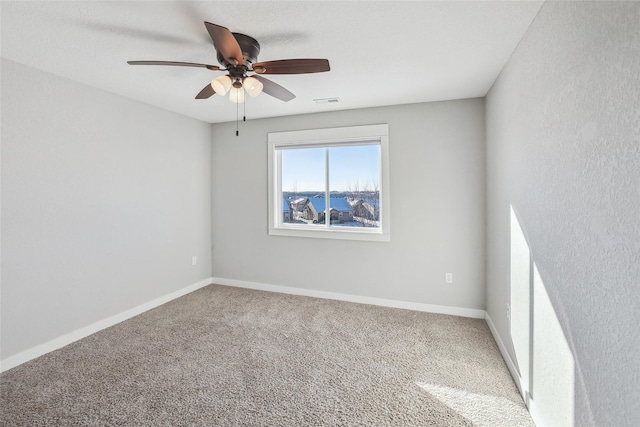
(326, 100)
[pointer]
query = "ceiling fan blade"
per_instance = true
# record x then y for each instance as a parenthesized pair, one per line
(274, 89)
(292, 66)
(225, 43)
(206, 92)
(178, 64)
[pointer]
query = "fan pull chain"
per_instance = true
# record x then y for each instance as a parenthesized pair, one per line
(244, 110)
(237, 114)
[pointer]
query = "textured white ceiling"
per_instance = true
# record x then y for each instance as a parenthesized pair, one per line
(381, 53)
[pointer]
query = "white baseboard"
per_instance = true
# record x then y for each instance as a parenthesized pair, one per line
(430, 308)
(505, 355)
(78, 334)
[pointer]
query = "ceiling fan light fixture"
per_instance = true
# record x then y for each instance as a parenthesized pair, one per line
(236, 95)
(221, 84)
(253, 86)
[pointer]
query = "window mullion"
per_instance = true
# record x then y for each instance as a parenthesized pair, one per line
(327, 211)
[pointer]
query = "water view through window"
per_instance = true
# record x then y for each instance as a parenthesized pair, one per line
(339, 184)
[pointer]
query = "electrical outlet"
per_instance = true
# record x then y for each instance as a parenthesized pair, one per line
(508, 312)
(194, 260)
(448, 277)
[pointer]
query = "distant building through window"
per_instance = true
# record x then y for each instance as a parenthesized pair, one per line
(330, 183)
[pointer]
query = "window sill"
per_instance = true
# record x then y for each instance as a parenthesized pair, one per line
(336, 233)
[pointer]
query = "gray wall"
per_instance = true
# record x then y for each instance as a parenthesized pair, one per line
(104, 201)
(563, 147)
(437, 162)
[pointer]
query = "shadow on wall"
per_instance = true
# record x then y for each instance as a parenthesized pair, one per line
(543, 356)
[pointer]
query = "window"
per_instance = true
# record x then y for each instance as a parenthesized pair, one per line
(330, 183)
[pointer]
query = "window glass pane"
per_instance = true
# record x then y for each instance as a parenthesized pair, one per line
(354, 185)
(303, 183)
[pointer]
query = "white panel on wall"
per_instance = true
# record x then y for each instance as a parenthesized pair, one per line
(552, 383)
(519, 310)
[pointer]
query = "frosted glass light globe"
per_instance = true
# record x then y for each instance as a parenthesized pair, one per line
(236, 95)
(221, 84)
(253, 86)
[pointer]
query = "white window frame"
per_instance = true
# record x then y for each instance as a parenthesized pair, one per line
(348, 136)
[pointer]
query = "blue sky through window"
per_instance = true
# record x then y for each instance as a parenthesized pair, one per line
(350, 167)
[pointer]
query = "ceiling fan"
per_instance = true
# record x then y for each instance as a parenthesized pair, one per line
(238, 53)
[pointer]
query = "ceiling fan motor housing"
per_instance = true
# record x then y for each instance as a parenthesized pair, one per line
(250, 50)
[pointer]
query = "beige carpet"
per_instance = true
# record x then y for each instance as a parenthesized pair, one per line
(229, 356)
